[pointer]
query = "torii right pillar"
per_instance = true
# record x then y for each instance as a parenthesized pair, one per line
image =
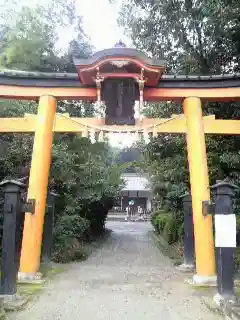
(197, 160)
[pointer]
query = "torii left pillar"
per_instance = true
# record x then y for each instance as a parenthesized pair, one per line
(38, 184)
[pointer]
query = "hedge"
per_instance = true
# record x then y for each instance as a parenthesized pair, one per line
(170, 226)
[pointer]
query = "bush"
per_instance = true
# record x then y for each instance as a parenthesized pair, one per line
(73, 250)
(72, 226)
(181, 231)
(87, 180)
(161, 220)
(238, 230)
(170, 226)
(69, 236)
(158, 220)
(170, 230)
(97, 215)
(154, 217)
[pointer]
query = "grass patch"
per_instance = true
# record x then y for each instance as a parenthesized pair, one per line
(237, 287)
(202, 287)
(49, 270)
(28, 290)
(237, 290)
(25, 293)
(237, 260)
(170, 251)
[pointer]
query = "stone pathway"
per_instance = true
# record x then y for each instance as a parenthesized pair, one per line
(127, 279)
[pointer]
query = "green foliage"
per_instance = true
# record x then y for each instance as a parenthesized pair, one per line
(162, 220)
(169, 226)
(82, 173)
(181, 231)
(87, 181)
(30, 43)
(165, 162)
(153, 218)
(68, 230)
(71, 227)
(170, 231)
(194, 37)
(237, 253)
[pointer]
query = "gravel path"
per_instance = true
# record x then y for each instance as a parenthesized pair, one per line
(127, 279)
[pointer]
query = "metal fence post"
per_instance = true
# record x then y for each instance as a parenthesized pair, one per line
(12, 210)
(225, 240)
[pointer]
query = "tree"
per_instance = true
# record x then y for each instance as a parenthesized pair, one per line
(82, 173)
(195, 37)
(192, 35)
(30, 44)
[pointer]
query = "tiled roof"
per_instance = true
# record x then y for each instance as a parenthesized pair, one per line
(66, 75)
(135, 182)
(63, 79)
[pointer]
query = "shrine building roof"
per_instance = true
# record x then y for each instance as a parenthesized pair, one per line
(120, 62)
(117, 62)
(116, 52)
(61, 79)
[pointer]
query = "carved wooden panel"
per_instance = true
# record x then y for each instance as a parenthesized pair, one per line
(119, 96)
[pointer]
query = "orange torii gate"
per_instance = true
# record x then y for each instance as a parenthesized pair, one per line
(63, 123)
(119, 77)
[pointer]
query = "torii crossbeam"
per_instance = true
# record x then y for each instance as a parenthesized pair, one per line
(115, 79)
(67, 124)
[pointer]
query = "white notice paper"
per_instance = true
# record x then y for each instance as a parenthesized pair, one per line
(225, 230)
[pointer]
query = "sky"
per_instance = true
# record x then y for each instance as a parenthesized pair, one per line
(99, 17)
(101, 23)
(99, 20)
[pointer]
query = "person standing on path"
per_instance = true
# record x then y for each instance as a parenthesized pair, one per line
(127, 213)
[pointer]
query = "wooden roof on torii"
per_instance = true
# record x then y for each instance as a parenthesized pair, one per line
(117, 62)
